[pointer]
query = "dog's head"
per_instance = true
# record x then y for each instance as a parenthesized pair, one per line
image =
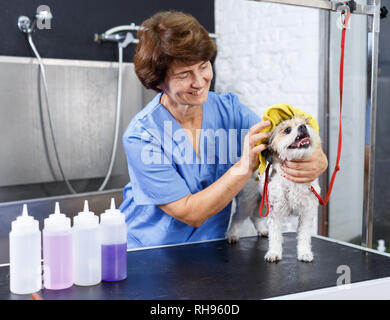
(293, 139)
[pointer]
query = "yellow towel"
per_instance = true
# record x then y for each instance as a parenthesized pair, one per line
(276, 114)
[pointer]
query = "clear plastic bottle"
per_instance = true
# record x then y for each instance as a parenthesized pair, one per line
(87, 264)
(381, 245)
(25, 254)
(114, 244)
(57, 251)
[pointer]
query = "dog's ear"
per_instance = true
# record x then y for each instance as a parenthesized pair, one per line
(267, 154)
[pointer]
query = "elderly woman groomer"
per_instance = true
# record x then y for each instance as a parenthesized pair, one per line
(182, 185)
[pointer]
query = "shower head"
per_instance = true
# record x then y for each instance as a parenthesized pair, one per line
(118, 34)
(27, 26)
(24, 24)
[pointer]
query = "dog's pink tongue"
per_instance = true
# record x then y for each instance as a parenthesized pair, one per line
(303, 141)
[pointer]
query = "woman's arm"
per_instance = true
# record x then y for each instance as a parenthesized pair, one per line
(303, 171)
(194, 209)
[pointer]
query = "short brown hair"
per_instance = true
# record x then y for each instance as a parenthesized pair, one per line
(166, 37)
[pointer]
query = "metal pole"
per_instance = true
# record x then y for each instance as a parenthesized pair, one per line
(323, 4)
(373, 23)
(323, 117)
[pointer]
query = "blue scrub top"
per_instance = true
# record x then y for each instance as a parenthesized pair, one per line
(163, 167)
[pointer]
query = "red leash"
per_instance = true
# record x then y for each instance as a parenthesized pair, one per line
(337, 166)
(265, 193)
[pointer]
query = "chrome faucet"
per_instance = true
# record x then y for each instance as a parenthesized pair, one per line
(27, 26)
(118, 34)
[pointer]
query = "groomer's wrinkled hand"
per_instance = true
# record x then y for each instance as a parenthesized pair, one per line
(249, 161)
(303, 171)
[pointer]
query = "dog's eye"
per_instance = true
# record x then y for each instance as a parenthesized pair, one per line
(287, 130)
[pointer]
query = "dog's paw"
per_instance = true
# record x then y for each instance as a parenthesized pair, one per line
(232, 237)
(262, 233)
(273, 256)
(306, 256)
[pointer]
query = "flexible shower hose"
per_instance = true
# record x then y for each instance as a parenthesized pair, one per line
(117, 118)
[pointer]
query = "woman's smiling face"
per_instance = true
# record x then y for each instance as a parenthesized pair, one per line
(188, 84)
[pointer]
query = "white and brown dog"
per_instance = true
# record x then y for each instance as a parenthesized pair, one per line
(291, 140)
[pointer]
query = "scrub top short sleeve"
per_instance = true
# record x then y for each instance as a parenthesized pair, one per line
(153, 183)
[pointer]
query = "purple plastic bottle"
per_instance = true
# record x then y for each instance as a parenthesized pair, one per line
(57, 251)
(114, 262)
(114, 244)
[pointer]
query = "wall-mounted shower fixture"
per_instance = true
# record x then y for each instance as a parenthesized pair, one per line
(117, 34)
(123, 36)
(27, 25)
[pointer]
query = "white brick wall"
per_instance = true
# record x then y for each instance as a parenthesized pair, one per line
(267, 54)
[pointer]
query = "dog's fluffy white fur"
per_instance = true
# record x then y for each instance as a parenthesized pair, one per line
(291, 140)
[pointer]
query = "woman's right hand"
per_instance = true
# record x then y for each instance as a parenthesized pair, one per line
(249, 161)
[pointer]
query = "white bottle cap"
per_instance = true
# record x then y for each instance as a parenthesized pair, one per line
(24, 224)
(57, 222)
(112, 215)
(86, 218)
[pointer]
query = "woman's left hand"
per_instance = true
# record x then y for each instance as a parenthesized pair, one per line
(303, 171)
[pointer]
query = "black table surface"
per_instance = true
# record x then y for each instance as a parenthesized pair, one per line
(217, 270)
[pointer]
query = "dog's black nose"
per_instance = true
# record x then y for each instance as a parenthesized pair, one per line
(302, 128)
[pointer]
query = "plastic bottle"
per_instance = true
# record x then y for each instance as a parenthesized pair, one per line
(381, 245)
(25, 254)
(57, 251)
(114, 244)
(87, 264)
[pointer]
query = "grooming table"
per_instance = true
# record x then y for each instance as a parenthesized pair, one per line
(216, 270)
